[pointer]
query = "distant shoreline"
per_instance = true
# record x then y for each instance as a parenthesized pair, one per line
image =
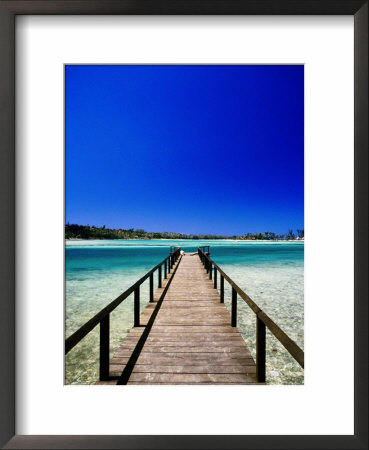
(185, 239)
(80, 232)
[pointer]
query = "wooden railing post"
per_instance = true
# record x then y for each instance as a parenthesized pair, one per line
(260, 350)
(210, 270)
(151, 287)
(221, 288)
(137, 307)
(215, 278)
(234, 307)
(165, 270)
(104, 348)
(159, 276)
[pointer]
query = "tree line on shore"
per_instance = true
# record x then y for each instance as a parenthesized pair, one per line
(74, 231)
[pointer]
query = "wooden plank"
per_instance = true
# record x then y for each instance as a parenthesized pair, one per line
(192, 336)
(150, 368)
(196, 349)
(212, 383)
(189, 340)
(186, 359)
(201, 345)
(158, 337)
(191, 378)
(192, 329)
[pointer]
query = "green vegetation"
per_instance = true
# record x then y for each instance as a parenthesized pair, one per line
(92, 232)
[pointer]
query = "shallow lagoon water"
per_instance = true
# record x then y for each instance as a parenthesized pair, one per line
(271, 273)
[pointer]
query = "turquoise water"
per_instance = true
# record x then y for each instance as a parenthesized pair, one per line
(271, 273)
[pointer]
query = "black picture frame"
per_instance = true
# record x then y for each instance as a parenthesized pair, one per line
(8, 11)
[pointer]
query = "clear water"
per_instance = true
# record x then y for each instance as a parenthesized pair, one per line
(272, 274)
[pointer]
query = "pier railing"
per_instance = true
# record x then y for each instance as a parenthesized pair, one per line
(103, 317)
(262, 319)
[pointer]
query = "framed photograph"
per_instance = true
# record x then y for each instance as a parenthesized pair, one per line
(179, 119)
(213, 138)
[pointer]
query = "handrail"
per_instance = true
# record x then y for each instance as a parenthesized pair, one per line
(205, 247)
(76, 337)
(103, 316)
(262, 318)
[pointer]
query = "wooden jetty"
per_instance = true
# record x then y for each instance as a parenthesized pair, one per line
(185, 335)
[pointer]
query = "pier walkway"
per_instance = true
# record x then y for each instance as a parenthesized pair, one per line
(185, 334)
(191, 340)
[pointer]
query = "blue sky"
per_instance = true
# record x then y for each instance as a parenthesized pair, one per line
(190, 149)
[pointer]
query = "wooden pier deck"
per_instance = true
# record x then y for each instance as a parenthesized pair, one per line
(189, 339)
